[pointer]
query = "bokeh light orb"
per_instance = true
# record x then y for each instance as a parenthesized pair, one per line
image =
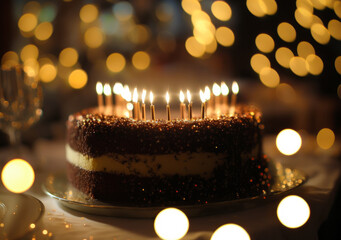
(325, 138)
(88, 13)
(78, 78)
(141, 60)
(115, 62)
(171, 224)
(265, 43)
(27, 22)
(17, 176)
(230, 231)
(68, 57)
(43, 31)
(221, 10)
(288, 141)
(47, 72)
(293, 211)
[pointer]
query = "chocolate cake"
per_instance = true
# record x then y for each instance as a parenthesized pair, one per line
(160, 163)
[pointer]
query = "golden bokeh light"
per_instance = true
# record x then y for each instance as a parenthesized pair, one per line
(139, 34)
(320, 33)
(212, 47)
(141, 60)
(286, 93)
(258, 62)
(43, 31)
(256, 7)
(203, 35)
(319, 4)
(304, 49)
(171, 224)
(29, 51)
(88, 13)
(314, 64)
(337, 8)
(68, 57)
(288, 142)
(334, 27)
(293, 211)
(325, 138)
(9, 59)
(298, 66)
(115, 62)
(93, 37)
(286, 32)
(265, 43)
(337, 64)
(27, 22)
(123, 10)
(269, 77)
(304, 17)
(200, 17)
(33, 7)
(305, 4)
(17, 175)
(47, 72)
(221, 10)
(190, 6)
(230, 231)
(225, 36)
(194, 48)
(283, 56)
(269, 7)
(31, 66)
(78, 78)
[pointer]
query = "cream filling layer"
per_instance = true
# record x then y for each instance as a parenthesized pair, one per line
(149, 165)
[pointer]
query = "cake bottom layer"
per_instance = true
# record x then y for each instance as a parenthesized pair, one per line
(130, 190)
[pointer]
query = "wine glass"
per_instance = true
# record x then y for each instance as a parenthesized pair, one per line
(20, 103)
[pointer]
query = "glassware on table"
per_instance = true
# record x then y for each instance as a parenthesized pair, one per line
(20, 103)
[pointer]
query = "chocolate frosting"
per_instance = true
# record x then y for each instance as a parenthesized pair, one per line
(95, 134)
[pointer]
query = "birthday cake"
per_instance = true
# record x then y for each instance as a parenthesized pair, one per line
(160, 163)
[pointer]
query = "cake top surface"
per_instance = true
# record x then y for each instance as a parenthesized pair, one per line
(94, 134)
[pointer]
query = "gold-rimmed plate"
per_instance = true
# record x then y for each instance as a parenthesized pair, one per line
(58, 187)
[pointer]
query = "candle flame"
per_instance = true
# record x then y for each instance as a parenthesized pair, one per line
(207, 93)
(189, 96)
(144, 93)
(118, 88)
(107, 89)
(182, 96)
(224, 89)
(126, 93)
(99, 88)
(202, 96)
(216, 89)
(135, 95)
(130, 106)
(235, 87)
(167, 98)
(151, 98)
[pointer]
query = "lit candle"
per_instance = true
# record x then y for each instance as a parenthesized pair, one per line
(182, 105)
(224, 93)
(152, 108)
(203, 99)
(143, 97)
(189, 98)
(168, 107)
(235, 90)
(108, 98)
(216, 92)
(127, 97)
(119, 101)
(209, 100)
(135, 104)
(99, 90)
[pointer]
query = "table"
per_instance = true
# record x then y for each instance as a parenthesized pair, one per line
(259, 221)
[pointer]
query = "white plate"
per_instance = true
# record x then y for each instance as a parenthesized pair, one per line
(58, 187)
(17, 213)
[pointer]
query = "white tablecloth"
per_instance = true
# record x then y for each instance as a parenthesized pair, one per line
(259, 221)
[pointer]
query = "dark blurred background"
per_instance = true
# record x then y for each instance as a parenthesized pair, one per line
(285, 55)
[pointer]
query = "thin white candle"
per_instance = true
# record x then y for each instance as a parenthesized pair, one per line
(189, 99)
(182, 105)
(108, 98)
(135, 104)
(119, 101)
(99, 90)
(209, 101)
(143, 97)
(152, 108)
(168, 107)
(235, 90)
(203, 100)
(216, 92)
(224, 93)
